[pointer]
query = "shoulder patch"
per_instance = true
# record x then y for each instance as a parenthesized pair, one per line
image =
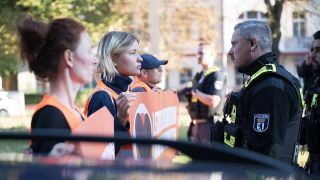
(261, 122)
(218, 85)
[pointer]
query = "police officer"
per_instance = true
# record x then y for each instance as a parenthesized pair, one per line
(311, 122)
(305, 72)
(206, 93)
(150, 74)
(266, 113)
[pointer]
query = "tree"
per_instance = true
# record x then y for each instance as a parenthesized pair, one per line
(274, 12)
(96, 15)
(182, 23)
(8, 56)
(274, 15)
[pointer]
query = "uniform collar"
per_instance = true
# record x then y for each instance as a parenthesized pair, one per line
(268, 58)
(119, 83)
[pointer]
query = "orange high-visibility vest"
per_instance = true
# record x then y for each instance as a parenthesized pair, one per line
(72, 120)
(138, 83)
(100, 87)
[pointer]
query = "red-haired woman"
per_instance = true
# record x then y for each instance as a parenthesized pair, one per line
(58, 52)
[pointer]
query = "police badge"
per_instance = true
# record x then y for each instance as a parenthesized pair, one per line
(260, 122)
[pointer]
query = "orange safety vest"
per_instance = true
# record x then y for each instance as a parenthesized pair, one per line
(72, 119)
(138, 83)
(99, 87)
(102, 87)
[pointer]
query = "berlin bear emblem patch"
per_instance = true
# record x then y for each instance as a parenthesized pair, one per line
(260, 122)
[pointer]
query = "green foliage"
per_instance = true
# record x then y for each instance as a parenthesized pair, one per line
(96, 15)
(13, 146)
(82, 97)
(8, 49)
(34, 98)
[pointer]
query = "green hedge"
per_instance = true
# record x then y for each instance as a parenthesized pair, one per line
(34, 98)
(81, 98)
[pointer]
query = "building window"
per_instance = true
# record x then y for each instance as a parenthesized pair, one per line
(185, 75)
(298, 19)
(257, 15)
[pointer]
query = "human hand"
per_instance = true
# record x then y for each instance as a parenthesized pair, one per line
(194, 92)
(62, 149)
(123, 104)
(174, 91)
(156, 89)
(309, 59)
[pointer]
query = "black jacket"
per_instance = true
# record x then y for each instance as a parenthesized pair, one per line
(100, 99)
(311, 124)
(305, 71)
(269, 111)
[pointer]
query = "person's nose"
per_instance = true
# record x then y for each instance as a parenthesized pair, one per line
(139, 58)
(230, 52)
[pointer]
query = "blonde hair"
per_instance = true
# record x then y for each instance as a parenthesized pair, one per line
(110, 46)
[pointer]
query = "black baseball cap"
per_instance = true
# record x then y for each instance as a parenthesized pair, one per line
(150, 62)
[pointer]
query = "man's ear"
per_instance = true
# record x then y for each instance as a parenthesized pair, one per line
(68, 58)
(253, 44)
(143, 73)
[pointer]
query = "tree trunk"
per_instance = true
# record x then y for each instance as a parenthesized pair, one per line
(10, 83)
(274, 17)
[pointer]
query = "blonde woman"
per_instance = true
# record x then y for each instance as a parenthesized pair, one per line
(118, 54)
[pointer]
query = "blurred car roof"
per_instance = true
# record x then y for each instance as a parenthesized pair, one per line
(217, 162)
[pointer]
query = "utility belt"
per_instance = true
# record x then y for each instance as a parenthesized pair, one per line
(199, 111)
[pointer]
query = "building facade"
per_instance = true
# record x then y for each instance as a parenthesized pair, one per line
(178, 26)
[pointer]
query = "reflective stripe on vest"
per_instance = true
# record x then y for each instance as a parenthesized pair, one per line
(72, 120)
(211, 70)
(314, 102)
(231, 141)
(272, 68)
(100, 87)
(264, 69)
(233, 114)
(137, 83)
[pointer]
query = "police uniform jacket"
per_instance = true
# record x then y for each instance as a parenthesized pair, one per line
(269, 110)
(311, 124)
(209, 82)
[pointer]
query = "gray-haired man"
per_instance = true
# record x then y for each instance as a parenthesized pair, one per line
(266, 112)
